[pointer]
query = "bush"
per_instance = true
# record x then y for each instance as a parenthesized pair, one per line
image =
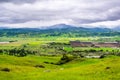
(64, 60)
(92, 50)
(39, 66)
(81, 55)
(51, 63)
(5, 69)
(118, 54)
(107, 67)
(46, 62)
(102, 56)
(65, 57)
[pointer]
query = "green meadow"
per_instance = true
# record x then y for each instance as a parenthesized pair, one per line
(43, 67)
(23, 68)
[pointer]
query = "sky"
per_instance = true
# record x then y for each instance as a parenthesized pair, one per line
(41, 13)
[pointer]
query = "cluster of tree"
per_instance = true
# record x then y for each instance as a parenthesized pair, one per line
(64, 59)
(20, 52)
(66, 49)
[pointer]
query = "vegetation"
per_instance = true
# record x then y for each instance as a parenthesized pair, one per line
(22, 68)
(58, 32)
(53, 58)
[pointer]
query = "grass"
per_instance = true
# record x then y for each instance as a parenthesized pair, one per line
(22, 68)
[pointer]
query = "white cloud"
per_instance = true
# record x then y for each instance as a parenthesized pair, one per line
(34, 24)
(49, 12)
(109, 24)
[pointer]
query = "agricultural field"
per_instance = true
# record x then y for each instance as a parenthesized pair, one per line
(54, 59)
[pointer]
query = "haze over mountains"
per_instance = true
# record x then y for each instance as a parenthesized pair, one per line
(117, 28)
(65, 26)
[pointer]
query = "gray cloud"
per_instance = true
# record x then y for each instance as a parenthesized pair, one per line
(76, 12)
(17, 1)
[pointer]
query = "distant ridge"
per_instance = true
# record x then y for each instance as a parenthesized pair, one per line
(4, 28)
(116, 28)
(58, 30)
(75, 28)
(63, 28)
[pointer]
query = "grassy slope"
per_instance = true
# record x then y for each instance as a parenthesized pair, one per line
(22, 68)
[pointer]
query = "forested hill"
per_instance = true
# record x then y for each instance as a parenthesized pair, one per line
(57, 30)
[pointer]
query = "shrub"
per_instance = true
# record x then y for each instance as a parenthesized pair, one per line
(46, 62)
(39, 66)
(107, 67)
(92, 50)
(118, 54)
(102, 56)
(64, 60)
(5, 69)
(64, 57)
(81, 55)
(51, 63)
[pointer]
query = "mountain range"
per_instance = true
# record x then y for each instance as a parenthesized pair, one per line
(116, 28)
(59, 30)
(64, 26)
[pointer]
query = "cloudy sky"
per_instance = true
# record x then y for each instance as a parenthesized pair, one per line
(36, 13)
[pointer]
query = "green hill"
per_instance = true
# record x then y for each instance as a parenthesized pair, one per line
(25, 68)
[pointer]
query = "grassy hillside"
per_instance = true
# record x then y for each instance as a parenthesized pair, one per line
(24, 68)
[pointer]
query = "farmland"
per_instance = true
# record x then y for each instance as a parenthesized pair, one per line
(47, 63)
